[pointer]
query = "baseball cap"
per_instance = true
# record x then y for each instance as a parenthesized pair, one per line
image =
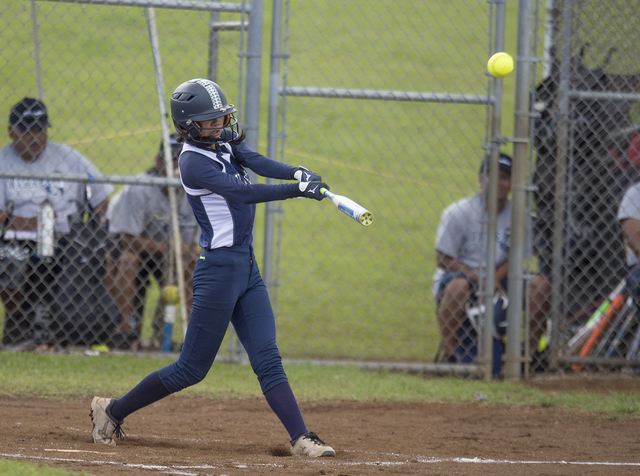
(504, 160)
(176, 146)
(29, 113)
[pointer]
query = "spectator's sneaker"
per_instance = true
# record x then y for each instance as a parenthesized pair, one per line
(310, 445)
(104, 428)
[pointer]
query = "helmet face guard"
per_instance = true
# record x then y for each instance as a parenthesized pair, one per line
(200, 100)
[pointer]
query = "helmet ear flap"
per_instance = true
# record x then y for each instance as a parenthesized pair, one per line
(180, 130)
(193, 129)
(227, 120)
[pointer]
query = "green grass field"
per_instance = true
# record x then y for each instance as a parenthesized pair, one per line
(71, 377)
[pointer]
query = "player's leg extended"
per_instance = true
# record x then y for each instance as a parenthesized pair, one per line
(254, 323)
(218, 280)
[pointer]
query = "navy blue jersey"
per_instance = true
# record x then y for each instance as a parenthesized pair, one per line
(221, 195)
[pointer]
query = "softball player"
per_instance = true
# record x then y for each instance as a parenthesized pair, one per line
(227, 286)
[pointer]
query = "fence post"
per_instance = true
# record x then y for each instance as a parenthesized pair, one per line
(254, 63)
(513, 360)
(560, 184)
(492, 204)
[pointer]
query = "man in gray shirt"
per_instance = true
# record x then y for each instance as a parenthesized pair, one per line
(140, 223)
(31, 151)
(460, 253)
(629, 217)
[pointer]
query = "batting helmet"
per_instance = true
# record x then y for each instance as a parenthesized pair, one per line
(201, 100)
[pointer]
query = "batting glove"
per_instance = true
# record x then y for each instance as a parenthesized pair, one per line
(312, 189)
(305, 175)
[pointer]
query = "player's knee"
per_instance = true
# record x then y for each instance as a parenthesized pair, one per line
(193, 375)
(177, 376)
(270, 372)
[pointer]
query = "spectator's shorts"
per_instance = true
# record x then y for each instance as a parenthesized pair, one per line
(450, 276)
(473, 286)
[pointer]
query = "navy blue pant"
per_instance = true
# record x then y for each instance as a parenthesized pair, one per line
(227, 287)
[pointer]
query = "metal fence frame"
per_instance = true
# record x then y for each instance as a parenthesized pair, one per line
(567, 97)
(279, 92)
(278, 95)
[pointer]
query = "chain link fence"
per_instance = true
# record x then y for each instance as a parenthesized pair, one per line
(391, 103)
(585, 141)
(87, 71)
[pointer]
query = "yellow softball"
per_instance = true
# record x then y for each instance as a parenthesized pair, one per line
(500, 65)
(171, 295)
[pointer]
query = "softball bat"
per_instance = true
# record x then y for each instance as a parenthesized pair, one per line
(349, 207)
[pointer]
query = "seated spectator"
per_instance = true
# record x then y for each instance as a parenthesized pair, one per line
(460, 252)
(140, 223)
(30, 151)
(629, 217)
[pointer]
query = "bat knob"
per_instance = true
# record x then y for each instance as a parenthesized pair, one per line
(366, 218)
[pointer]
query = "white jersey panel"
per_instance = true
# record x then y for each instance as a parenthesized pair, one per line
(215, 206)
(220, 219)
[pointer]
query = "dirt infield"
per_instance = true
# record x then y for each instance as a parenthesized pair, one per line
(188, 436)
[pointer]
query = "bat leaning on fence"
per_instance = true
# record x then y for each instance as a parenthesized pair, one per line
(616, 326)
(582, 335)
(600, 327)
(624, 330)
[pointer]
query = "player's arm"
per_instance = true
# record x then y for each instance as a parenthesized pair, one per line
(267, 167)
(631, 234)
(198, 172)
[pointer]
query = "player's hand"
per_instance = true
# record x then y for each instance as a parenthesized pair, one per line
(305, 175)
(312, 189)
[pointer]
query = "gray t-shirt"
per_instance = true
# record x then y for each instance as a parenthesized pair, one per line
(630, 208)
(142, 210)
(461, 236)
(27, 194)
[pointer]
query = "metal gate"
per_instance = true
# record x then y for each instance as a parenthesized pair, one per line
(373, 124)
